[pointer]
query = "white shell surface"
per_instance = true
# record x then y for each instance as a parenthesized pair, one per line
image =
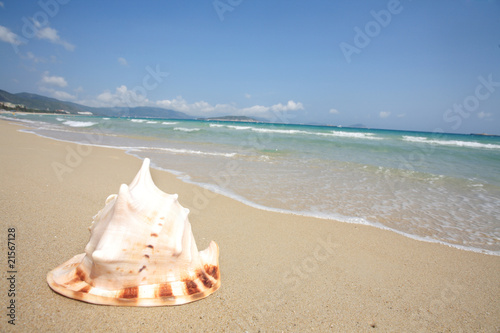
(141, 252)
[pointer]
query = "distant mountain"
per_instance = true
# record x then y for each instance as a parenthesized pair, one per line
(39, 102)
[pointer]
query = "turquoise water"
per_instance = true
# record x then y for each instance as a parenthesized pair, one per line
(429, 186)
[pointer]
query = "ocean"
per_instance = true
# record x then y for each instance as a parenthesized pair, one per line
(432, 187)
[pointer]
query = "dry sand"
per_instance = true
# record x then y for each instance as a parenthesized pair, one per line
(280, 272)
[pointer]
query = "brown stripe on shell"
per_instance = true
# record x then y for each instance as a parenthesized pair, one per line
(131, 292)
(204, 279)
(154, 235)
(191, 287)
(80, 274)
(150, 246)
(164, 290)
(212, 270)
(142, 268)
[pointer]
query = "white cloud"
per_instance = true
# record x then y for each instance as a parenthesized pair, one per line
(200, 108)
(48, 33)
(35, 59)
(124, 97)
(384, 114)
(274, 113)
(8, 36)
(1, 4)
(255, 110)
(53, 80)
(482, 115)
(59, 94)
(122, 61)
(52, 36)
(247, 95)
(290, 106)
(334, 111)
(401, 115)
(63, 95)
(204, 109)
(178, 104)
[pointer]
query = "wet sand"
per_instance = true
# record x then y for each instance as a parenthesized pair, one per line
(280, 272)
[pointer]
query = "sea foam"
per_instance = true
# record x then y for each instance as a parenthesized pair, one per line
(354, 135)
(183, 129)
(458, 143)
(73, 123)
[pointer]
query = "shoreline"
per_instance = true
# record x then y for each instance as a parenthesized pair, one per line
(221, 191)
(279, 271)
(319, 216)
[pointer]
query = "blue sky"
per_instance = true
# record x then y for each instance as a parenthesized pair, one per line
(414, 65)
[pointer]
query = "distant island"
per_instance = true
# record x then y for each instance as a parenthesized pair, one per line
(484, 134)
(358, 126)
(243, 119)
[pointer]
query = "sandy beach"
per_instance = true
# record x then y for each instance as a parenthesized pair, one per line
(280, 272)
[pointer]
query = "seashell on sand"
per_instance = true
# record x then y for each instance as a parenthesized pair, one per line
(141, 252)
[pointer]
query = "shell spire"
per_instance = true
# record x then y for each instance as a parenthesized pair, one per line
(141, 252)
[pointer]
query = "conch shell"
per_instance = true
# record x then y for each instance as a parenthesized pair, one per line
(141, 252)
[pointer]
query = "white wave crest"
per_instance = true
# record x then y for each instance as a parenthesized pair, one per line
(20, 120)
(458, 143)
(238, 127)
(181, 151)
(197, 152)
(169, 123)
(357, 135)
(137, 120)
(280, 131)
(183, 129)
(73, 123)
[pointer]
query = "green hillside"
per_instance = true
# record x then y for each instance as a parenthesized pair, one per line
(46, 104)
